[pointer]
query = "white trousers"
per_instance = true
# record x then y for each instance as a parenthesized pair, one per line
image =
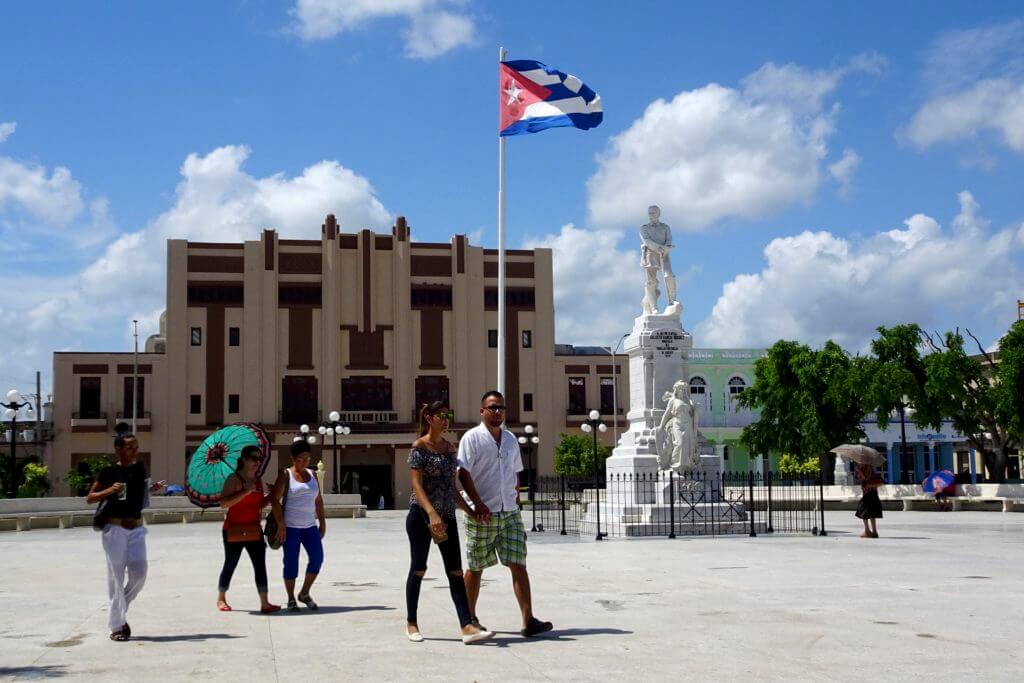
(126, 553)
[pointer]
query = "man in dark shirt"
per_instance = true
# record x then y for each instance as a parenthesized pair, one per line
(124, 490)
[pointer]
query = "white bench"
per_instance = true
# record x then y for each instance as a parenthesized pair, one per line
(162, 509)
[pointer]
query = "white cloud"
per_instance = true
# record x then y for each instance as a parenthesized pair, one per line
(842, 171)
(432, 30)
(54, 197)
(975, 82)
(216, 200)
(817, 286)
(6, 130)
(719, 152)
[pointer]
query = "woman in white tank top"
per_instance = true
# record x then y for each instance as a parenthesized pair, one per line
(299, 509)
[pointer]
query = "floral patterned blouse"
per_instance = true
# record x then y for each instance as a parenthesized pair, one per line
(438, 472)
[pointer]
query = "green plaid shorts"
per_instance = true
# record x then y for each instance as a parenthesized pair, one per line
(503, 538)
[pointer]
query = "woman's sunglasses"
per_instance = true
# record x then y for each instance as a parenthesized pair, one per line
(444, 415)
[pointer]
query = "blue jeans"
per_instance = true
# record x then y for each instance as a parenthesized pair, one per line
(309, 538)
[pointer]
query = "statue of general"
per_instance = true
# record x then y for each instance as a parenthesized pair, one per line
(657, 241)
(676, 437)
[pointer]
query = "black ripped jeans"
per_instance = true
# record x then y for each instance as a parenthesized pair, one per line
(419, 547)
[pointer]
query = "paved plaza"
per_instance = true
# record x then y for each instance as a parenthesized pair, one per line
(939, 596)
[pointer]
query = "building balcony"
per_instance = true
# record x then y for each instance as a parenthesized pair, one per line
(369, 416)
(143, 418)
(89, 420)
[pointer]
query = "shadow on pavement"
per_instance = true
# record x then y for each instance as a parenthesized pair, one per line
(331, 609)
(185, 637)
(49, 671)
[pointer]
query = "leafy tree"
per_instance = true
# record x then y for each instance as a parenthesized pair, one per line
(26, 473)
(983, 400)
(894, 378)
(810, 401)
(36, 484)
(80, 478)
(792, 467)
(574, 455)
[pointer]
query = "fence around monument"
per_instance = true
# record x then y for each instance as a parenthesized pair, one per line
(667, 504)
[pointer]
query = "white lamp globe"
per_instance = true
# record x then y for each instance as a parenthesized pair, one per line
(297, 439)
(602, 427)
(311, 440)
(594, 415)
(304, 429)
(535, 439)
(338, 429)
(347, 430)
(14, 396)
(528, 429)
(585, 427)
(9, 414)
(522, 439)
(322, 429)
(334, 416)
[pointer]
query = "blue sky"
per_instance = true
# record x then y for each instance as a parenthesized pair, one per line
(812, 160)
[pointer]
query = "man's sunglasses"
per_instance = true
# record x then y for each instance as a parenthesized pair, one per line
(494, 409)
(444, 415)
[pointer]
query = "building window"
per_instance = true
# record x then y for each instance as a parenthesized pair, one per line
(197, 336)
(129, 393)
(430, 388)
(89, 397)
(195, 404)
(234, 336)
(608, 396)
(527, 403)
(233, 404)
(492, 339)
(577, 396)
(736, 386)
(366, 393)
(299, 400)
(699, 392)
(527, 339)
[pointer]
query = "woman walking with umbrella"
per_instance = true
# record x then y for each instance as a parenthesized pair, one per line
(870, 507)
(244, 498)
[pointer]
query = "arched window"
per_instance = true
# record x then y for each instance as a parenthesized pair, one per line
(698, 386)
(736, 386)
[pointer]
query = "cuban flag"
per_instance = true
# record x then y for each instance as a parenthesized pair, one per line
(533, 97)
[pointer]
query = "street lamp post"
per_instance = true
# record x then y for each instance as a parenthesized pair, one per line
(594, 425)
(13, 405)
(905, 412)
(335, 427)
(530, 441)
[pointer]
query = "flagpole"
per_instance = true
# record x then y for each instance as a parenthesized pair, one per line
(502, 54)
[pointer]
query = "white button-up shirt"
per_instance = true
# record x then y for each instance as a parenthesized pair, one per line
(494, 469)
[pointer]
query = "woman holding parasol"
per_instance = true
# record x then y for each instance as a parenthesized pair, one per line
(870, 507)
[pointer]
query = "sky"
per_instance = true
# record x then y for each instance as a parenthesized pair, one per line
(825, 167)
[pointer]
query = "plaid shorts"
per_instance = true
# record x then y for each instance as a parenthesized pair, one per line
(504, 536)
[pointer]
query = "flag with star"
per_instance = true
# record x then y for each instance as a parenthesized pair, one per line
(533, 97)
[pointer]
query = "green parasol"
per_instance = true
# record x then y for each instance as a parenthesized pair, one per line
(216, 459)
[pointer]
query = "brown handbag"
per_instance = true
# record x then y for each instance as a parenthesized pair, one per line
(244, 533)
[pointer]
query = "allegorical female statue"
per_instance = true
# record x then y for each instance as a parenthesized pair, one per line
(677, 434)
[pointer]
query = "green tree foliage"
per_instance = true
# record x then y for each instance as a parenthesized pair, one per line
(979, 397)
(894, 377)
(792, 467)
(810, 401)
(80, 478)
(36, 483)
(574, 455)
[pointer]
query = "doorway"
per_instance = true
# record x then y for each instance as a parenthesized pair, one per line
(371, 482)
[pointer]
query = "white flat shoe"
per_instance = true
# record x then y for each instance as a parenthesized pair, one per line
(416, 637)
(477, 637)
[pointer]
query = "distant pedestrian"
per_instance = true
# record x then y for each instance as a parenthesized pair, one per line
(432, 469)
(489, 465)
(870, 507)
(299, 509)
(244, 499)
(123, 489)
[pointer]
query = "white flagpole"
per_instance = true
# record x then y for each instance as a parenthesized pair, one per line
(502, 54)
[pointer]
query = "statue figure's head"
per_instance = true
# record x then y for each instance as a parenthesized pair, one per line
(681, 388)
(654, 213)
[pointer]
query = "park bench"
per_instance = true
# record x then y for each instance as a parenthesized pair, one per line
(69, 511)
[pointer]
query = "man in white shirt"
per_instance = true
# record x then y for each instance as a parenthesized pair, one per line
(489, 465)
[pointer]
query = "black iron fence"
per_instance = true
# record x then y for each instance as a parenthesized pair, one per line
(668, 504)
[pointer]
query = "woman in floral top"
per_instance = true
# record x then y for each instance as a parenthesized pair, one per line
(432, 515)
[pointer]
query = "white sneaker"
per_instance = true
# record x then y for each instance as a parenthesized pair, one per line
(477, 637)
(415, 636)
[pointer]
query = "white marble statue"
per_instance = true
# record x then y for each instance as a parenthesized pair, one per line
(677, 440)
(657, 241)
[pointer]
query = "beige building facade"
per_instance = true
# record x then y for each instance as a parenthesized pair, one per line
(283, 332)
